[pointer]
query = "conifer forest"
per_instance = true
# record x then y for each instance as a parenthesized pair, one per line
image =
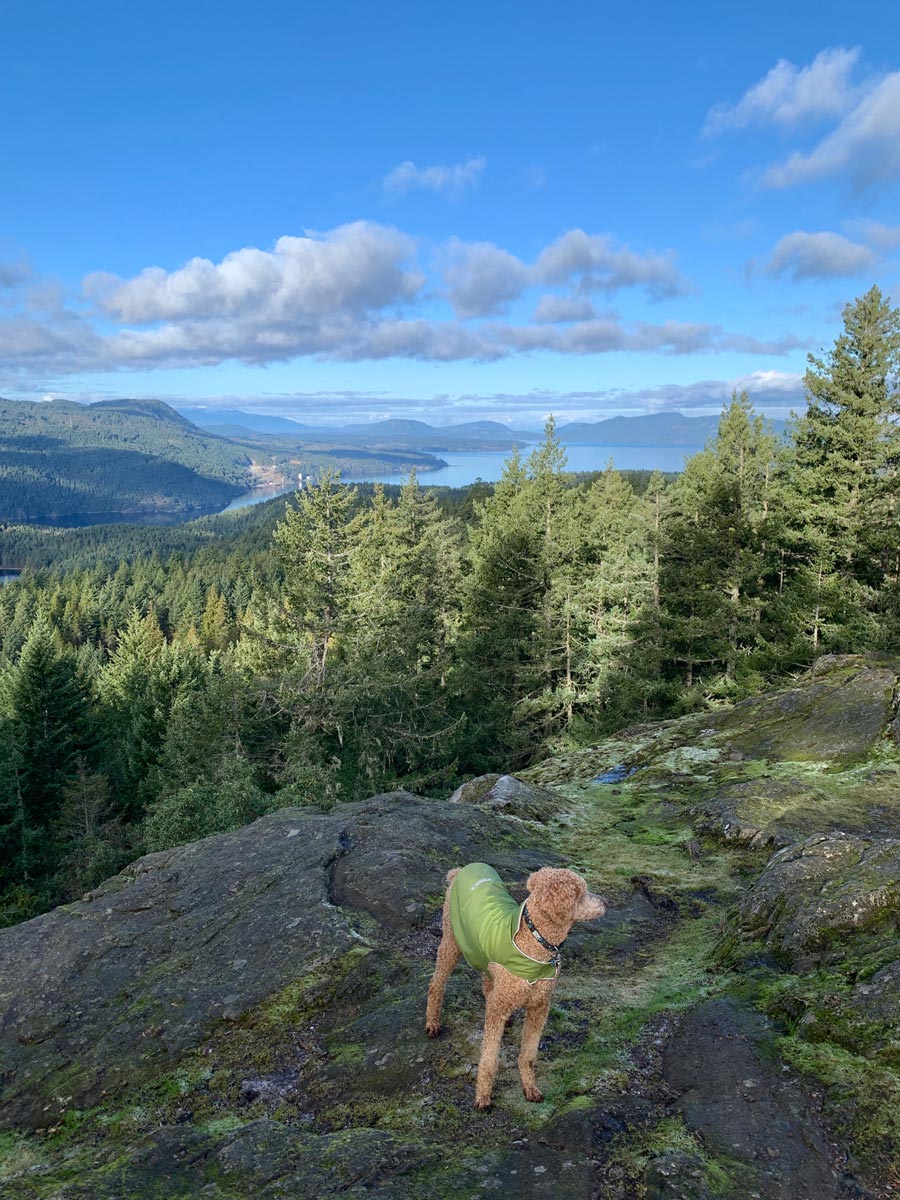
(157, 686)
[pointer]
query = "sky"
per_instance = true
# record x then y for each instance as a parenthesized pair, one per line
(352, 211)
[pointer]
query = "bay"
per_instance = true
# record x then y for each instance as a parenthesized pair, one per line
(465, 466)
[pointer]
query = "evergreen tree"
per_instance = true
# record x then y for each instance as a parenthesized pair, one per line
(613, 581)
(719, 555)
(503, 620)
(842, 472)
(138, 690)
(47, 735)
(404, 583)
(305, 632)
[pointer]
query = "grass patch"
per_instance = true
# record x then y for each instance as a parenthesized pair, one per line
(19, 1155)
(632, 1153)
(862, 1100)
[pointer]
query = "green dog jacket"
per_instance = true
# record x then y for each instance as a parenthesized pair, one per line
(485, 919)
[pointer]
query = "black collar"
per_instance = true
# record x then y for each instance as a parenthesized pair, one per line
(538, 937)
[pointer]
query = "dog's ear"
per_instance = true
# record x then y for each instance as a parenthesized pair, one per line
(589, 907)
(534, 880)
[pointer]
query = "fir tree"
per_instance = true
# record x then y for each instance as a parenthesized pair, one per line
(842, 473)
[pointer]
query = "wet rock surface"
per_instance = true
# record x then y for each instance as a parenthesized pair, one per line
(733, 1097)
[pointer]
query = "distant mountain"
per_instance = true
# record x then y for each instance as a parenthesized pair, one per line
(61, 461)
(399, 433)
(258, 422)
(650, 429)
(495, 429)
(158, 410)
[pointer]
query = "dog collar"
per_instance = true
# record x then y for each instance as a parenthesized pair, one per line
(539, 937)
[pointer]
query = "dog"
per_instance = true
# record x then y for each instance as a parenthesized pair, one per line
(516, 948)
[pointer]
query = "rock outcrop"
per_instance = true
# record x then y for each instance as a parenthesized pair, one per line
(815, 898)
(243, 1015)
(116, 986)
(511, 795)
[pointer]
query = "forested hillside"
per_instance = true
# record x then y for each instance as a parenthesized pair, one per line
(60, 459)
(384, 637)
(66, 462)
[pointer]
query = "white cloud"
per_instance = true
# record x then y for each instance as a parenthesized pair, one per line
(554, 309)
(778, 390)
(599, 265)
(351, 269)
(884, 238)
(482, 279)
(865, 147)
(12, 274)
(789, 94)
(450, 179)
(355, 293)
(804, 255)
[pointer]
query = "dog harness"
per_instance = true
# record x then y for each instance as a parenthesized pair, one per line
(485, 919)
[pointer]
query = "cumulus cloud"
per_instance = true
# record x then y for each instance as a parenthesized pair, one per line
(865, 146)
(598, 264)
(884, 238)
(789, 94)
(828, 255)
(483, 279)
(12, 274)
(357, 293)
(553, 309)
(804, 255)
(450, 179)
(772, 390)
(351, 269)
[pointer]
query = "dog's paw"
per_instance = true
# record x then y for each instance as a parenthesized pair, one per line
(533, 1094)
(483, 1105)
(433, 1031)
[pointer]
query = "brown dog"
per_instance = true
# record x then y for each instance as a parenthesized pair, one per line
(516, 947)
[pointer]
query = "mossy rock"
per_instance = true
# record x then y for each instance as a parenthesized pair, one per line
(838, 714)
(818, 897)
(511, 795)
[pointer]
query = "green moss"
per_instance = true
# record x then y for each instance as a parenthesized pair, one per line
(20, 1155)
(631, 1154)
(862, 1098)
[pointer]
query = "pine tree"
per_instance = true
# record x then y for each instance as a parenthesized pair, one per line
(312, 545)
(138, 690)
(516, 647)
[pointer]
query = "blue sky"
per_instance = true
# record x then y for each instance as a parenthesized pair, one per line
(448, 212)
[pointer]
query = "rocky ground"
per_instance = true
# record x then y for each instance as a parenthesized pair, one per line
(243, 1016)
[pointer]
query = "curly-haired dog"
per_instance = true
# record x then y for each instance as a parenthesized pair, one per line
(516, 947)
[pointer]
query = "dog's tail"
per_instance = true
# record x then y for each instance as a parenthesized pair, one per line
(451, 875)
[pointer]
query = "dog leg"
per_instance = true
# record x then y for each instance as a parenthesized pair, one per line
(487, 984)
(448, 956)
(535, 1019)
(495, 1018)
